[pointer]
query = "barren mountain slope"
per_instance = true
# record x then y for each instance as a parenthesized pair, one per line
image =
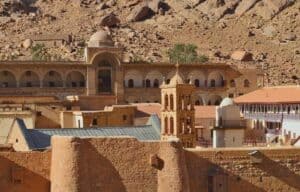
(269, 29)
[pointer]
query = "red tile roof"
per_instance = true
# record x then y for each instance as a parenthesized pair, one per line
(271, 95)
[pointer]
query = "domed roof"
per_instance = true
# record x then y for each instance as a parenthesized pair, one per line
(226, 102)
(101, 38)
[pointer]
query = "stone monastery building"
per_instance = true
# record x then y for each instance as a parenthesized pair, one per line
(104, 79)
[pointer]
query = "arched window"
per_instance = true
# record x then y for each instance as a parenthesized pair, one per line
(130, 83)
(148, 83)
(75, 79)
(212, 83)
(232, 83)
(166, 101)
(246, 83)
(166, 128)
(7, 79)
(29, 79)
(53, 79)
(171, 125)
(197, 83)
(168, 81)
(197, 102)
(171, 102)
(156, 83)
(217, 102)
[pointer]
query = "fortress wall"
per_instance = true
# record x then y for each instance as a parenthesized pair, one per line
(25, 171)
(102, 164)
(173, 176)
(235, 170)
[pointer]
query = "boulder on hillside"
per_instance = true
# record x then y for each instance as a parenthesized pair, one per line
(244, 6)
(156, 5)
(141, 12)
(241, 56)
(269, 8)
(110, 20)
(27, 43)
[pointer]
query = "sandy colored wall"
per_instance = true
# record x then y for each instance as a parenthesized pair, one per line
(232, 170)
(107, 164)
(25, 172)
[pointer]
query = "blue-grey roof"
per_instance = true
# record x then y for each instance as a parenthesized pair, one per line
(40, 138)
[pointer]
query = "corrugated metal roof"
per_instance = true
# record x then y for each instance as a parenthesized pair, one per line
(41, 138)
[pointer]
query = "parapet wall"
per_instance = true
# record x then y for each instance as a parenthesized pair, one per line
(126, 164)
(232, 170)
(102, 164)
(25, 171)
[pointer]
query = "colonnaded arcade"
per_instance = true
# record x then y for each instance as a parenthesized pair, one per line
(103, 78)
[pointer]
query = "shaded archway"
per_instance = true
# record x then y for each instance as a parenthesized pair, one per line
(215, 79)
(197, 78)
(155, 77)
(214, 100)
(246, 83)
(53, 79)
(75, 79)
(7, 79)
(29, 79)
(134, 77)
(198, 101)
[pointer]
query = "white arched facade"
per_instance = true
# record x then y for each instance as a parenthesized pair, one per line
(133, 76)
(154, 76)
(215, 79)
(197, 78)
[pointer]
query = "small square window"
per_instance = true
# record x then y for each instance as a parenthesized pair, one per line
(74, 84)
(51, 84)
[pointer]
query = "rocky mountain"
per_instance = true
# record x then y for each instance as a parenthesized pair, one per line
(224, 30)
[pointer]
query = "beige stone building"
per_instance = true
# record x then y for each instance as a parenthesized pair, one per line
(103, 78)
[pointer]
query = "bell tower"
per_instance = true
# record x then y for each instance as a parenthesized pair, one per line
(178, 113)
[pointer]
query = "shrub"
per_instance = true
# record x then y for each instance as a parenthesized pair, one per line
(185, 53)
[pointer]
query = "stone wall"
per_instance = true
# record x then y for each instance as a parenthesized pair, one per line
(102, 164)
(231, 170)
(125, 164)
(28, 171)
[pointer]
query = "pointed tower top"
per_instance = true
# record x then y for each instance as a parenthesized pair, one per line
(176, 79)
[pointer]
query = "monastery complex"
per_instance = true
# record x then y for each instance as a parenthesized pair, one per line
(104, 124)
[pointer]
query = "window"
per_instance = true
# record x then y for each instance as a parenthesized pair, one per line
(81, 84)
(124, 117)
(74, 84)
(213, 83)
(95, 122)
(230, 95)
(168, 81)
(38, 113)
(148, 83)
(51, 84)
(51, 73)
(5, 73)
(246, 83)
(232, 83)
(130, 83)
(197, 102)
(156, 83)
(197, 83)
(28, 84)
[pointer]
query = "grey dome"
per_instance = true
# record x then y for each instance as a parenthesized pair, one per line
(226, 102)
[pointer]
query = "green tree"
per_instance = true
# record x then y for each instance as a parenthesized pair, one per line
(185, 53)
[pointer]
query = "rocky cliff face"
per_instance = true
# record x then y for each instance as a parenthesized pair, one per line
(268, 29)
